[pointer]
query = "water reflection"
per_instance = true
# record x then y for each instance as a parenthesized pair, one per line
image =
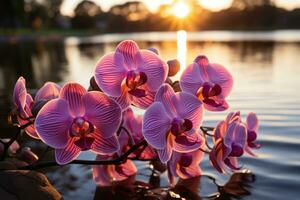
(237, 186)
(266, 78)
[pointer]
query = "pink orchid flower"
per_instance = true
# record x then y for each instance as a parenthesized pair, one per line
(210, 82)
(185, 165)
(252, 129)
(133, 123)
(77, 121)
(230, 138)
(131, 75)
(172, 122)
(24, 103)
(105, 175)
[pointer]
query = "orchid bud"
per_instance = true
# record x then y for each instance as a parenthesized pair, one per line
(174, 67)
(154, 50)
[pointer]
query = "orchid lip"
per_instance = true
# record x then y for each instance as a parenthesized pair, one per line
(135, 79)
(81, 127)
(236, 151)
(180, 126)
(207, 93)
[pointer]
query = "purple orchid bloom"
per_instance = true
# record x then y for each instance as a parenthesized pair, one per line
(24, 103)
(230, 138)
(133, 123)
(210, 82)
(172, 122)
(105, 175)
(78, 121)
(131, 75)
(184, 165)
(252, 129)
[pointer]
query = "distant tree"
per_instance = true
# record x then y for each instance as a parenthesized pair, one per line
(85, 13)
(248, 4)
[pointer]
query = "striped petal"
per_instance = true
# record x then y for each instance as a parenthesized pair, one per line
(53, 122)
(102, 112)
(156, 125)
(67, 154)
(49, 90)
(155, 69)
(110, 72)
(73, 92)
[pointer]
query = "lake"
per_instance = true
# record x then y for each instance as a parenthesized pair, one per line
(266, 71)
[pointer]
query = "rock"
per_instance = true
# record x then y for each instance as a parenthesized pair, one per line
(25, 185)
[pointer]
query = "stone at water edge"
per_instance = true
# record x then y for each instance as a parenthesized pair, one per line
(26, 185)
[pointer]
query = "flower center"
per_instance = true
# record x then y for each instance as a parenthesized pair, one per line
(134, 80)
(208, 92)
(81, 129)
(179, 126)
(236, 150)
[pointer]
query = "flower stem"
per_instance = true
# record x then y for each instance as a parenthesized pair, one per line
(116, 161)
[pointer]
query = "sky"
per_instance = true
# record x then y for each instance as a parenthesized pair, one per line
(215, 5)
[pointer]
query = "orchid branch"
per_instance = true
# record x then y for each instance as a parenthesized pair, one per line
(116, 161)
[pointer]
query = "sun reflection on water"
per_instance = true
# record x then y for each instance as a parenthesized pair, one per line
(181, 49)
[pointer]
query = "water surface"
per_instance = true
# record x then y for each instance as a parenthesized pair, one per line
(265, 67)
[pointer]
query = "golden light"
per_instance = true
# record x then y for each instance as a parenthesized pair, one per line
(180, 9)
(215, 5)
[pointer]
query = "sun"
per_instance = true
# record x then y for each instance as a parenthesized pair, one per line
(180, 9)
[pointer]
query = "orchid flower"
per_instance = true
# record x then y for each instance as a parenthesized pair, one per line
(185, 165)
(105, 175)
(24, 103)
(131, 75)
(78, 121)
(210, 82)
(133, 123)
(252, 129)
(172, 122)
(230, 138)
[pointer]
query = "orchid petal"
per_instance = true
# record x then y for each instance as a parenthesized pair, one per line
(165, 95)
(73, 92)
(123, 100)
(143, 102)
(218, 74)
(155, 69)
(53, 122)
(109, 74)
(220, 107)
(191, 79)
(219, 131)
(20, 93)
(186, 143)
(240, 136)
(165, 154)
(49, 90)
(252, 122)
(129, 51)
(103, 145)
(67, 154)
(215, 156)
(189, 107)
(156, 125)
(102, 112)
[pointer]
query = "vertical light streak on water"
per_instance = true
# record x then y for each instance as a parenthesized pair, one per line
(181, 49)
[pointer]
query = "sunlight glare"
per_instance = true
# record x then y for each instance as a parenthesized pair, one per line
(215, 5)
(181, 49)
(180, 9)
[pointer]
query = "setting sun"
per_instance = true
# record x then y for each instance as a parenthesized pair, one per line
(180, 9)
